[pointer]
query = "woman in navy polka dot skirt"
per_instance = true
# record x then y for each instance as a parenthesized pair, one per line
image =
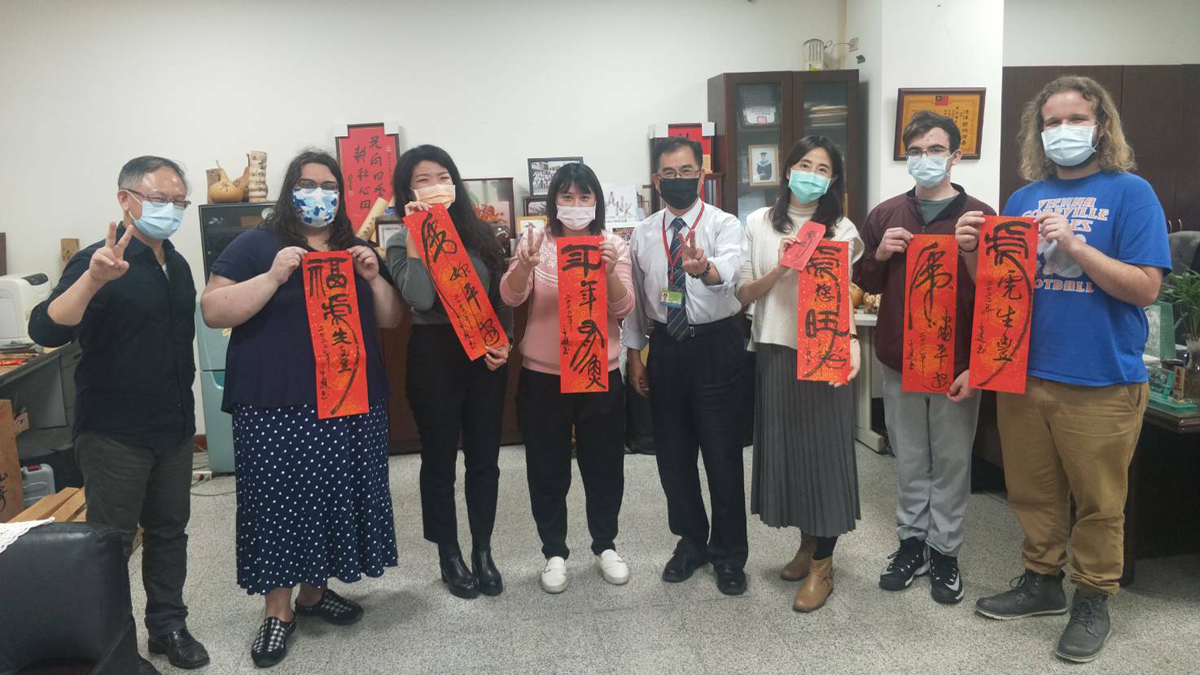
(312, 494)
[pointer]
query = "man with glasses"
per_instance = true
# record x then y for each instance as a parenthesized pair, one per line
(687, 303)
(129, 300)
(931, 434)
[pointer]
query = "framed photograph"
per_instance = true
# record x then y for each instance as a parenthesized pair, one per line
(493, 200)
(384, 232)
(535, 206)
(620, 204)
(541, 170)
(526, 223)
(964, 106)
(764, 165)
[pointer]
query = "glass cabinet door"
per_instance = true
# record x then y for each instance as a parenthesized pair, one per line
(826, 112)
(759, 136)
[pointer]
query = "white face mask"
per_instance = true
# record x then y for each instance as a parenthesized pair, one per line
(927, 171)
(576, 217)
(438, 193)
(1069, 144)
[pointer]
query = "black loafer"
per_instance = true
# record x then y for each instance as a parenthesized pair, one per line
(490, 581)
(270, 647)
(182, 650)
(731, 579)
(333, 608)
(681, 566)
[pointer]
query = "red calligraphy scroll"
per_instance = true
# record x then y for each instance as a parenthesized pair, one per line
(930, 285)
(582, 316)
(1003, 303)
(337, 337)
(458, 286)
(367, 155)
(796, 256)
(823, 330)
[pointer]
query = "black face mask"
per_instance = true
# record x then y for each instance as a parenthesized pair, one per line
(678, 192)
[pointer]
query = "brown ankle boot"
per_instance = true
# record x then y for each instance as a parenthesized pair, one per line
(797, 569)
(817, 587)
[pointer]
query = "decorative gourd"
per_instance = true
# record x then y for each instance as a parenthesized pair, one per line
(244, 181)
(224, 191)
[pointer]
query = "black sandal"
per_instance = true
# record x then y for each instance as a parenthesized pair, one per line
(270, 647)
(333, 608)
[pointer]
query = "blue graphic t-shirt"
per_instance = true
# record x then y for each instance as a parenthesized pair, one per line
(1080, 334)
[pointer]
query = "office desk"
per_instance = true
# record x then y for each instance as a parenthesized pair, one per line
(44, 387)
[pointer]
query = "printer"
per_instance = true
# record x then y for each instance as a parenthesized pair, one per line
(18, 296)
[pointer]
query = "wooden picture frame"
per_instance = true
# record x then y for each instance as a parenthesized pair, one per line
(762, 174)
(494, 201)
(541, 170)
(534, 206)
(964, 105)
(525, 223)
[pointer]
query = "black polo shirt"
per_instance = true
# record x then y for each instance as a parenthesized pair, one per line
(134, 380)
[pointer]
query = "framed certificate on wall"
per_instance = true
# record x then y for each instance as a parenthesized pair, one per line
(964, 106)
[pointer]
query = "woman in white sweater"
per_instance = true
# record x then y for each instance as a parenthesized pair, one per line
(804, 473)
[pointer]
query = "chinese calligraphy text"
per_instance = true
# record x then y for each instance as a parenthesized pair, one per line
(582, 315)
(1003, 303)
(332, 302)
(930, 287)
(368, 158)
(823, 331)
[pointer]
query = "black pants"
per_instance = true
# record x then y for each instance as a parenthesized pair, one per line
(451, 396)
(128, 485)
(546, 417)
(694, 386)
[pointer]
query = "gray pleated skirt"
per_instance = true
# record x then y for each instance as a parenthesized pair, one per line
(805, 473)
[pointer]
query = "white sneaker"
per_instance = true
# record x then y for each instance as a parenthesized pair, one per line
(554, 576)
(612, 568)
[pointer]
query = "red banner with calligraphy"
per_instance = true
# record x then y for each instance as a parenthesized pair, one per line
(796, 256)
(582, 315)
(458, 286)
(823, 316)
(367, 155)
(930, 287)
(1003, 303)
(337, 337)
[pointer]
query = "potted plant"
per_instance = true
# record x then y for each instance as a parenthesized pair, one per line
(1183, 292)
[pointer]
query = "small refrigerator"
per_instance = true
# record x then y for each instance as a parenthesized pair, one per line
(218, 425)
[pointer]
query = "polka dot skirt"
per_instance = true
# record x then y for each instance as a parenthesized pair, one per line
(312, 497)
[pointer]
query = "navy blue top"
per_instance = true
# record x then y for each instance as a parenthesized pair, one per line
(270, 362)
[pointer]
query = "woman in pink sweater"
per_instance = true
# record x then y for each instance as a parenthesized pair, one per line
(546, 416)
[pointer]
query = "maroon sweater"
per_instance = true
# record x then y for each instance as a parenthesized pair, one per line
(887, 277)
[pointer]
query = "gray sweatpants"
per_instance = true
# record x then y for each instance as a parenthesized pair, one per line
(932, 438)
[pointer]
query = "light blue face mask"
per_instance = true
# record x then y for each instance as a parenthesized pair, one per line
(158, 221)
(929, 172)
(317, 207)
(807, 186)
(1069, 144)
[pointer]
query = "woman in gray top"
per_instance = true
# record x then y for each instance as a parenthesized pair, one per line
(450, 395)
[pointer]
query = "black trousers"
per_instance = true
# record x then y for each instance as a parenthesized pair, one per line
(128, 485)
(694, 386)
(546, 417)
(452, 397)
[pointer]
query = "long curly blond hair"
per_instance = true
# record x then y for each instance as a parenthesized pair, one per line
(1113, 152)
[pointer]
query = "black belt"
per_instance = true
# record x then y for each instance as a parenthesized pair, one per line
(696, 330)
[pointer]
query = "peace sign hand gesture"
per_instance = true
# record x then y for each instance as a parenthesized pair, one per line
(695, 261)
(530, 253)
(108, 263)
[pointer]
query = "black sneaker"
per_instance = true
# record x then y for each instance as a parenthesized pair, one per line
(270, 646)
(945, 583)
(906, 563)
(333, 608)
(1032, 594)
(1088, 629)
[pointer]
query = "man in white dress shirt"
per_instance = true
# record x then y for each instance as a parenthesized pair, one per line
(686, 264)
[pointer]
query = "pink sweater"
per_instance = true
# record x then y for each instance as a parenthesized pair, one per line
(541, 342)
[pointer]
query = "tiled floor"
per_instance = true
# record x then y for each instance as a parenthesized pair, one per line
(413, 625)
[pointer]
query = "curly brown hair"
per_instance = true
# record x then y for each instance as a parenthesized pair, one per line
(1112, 151)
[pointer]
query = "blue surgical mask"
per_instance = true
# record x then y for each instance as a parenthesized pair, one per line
(1069, 144)
(928, 172)
(317, 207)
(807, 186)
(158, 221)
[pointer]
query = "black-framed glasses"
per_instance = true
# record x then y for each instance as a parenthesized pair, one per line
(306, 184)
(935, 151)
(685, 172)
(160, 198)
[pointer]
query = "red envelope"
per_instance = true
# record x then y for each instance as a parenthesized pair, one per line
(796, 256)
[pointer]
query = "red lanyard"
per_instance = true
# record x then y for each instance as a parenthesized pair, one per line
(667, 247)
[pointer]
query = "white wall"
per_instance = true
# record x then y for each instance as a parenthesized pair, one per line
(1101, 32)
(87, 85)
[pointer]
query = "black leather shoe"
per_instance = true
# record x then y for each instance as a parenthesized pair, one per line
(182, 650)
(731, 579)
(333, 608)
(455, 574)
(490, 582)
(681, 566)
(146, 668)
(1088, 629)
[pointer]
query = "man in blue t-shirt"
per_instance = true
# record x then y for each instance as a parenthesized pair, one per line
(1102, 249)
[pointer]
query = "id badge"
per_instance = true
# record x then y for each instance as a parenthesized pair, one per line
(672, 299)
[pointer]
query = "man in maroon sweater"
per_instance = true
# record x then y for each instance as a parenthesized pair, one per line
(931, 434)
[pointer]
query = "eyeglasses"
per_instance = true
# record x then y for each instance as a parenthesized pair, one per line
(685, 172)
(935, 151)
(159, 198)
(306, 184)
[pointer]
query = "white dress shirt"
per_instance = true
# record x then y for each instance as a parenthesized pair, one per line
(721, 236)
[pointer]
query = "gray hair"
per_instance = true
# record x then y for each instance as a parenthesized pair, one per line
(133, 171)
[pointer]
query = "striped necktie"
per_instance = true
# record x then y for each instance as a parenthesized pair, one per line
(677, 318)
